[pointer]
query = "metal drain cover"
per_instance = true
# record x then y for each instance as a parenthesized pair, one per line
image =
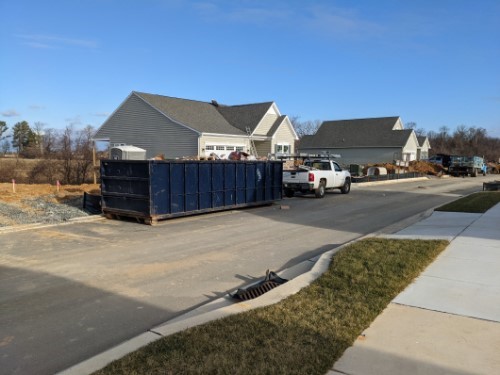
(271, 281)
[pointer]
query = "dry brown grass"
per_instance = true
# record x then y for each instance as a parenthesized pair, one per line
(23, 191)
(39, 171)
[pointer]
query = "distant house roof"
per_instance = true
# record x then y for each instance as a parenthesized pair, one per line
(208, 117)
(422, 140)
(371, 132)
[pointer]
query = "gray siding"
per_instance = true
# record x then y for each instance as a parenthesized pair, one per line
(360, 156)
(138, 124)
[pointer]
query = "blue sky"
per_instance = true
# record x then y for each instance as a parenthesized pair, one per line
(436, 63)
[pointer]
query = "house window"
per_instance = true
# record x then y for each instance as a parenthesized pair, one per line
(239, 148)
(282, 148)
(209, 148)
(230, 148)
(219, 148)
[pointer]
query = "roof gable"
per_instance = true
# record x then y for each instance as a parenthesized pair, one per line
(283, 120)
(423, 141)
(246, 115)
(372, 132)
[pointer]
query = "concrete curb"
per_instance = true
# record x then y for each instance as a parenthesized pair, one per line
(387, 182)
(213, 311)
(19, 228)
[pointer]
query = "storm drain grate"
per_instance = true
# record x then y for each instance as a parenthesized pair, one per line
(271, 281)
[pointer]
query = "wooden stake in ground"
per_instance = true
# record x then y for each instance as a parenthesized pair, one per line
(93, 162)
(13, 186)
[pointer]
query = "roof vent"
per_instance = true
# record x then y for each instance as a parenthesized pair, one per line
(214, 103)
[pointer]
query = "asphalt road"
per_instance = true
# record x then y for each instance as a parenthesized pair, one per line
(68, 292)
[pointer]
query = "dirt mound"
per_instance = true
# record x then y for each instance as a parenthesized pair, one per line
(42, 203)
(426, 168)
(418, 166)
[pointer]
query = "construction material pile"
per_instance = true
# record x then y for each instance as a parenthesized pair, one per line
(41, 203)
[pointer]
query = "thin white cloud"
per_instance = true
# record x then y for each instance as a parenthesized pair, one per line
(55, 41)
(245, 14)
(100, 114)
(340, 22)
(74, 121)
(10, 113)
(39, 45)
(326, 20)
(36, 107)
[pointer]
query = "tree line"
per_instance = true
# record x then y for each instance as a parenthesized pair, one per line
(464, 140)
(65, 154)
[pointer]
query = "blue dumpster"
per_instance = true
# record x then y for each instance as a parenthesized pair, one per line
(152, 190)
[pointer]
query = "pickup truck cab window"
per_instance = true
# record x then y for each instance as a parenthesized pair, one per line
(322, 166)
(337, 167)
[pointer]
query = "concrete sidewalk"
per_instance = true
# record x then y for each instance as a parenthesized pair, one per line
(448, 320)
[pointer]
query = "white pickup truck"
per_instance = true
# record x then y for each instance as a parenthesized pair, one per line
(316, 176)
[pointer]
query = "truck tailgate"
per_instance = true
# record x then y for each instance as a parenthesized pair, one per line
(296, 176)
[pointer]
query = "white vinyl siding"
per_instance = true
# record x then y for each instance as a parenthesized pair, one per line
(284, 135)
(266, 124)
(222, 146)
(263, 148)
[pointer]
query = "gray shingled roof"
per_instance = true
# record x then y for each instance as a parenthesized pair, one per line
(421, 140)
(201, 116)
(246, 115)
(372, 132)
(276, 125)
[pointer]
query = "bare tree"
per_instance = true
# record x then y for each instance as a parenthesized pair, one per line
(38, 133)
(50, 140)
(420, 132)
(305, 127)
(66, 153)
(465, 141)
(5, 146)
(83, 154)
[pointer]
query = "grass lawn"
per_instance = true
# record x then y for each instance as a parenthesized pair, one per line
(303, 334)
(474, 203)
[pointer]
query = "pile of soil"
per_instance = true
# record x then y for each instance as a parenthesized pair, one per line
(426, 168)
(419, 166)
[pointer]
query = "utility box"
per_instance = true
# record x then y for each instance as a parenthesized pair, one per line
(356, 169)
(127, 153)
(152, 190)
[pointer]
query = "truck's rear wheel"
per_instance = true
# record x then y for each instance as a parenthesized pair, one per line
(346, 188)
(320, 191)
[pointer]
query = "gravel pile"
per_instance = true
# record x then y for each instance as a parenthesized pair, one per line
(40, 210)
